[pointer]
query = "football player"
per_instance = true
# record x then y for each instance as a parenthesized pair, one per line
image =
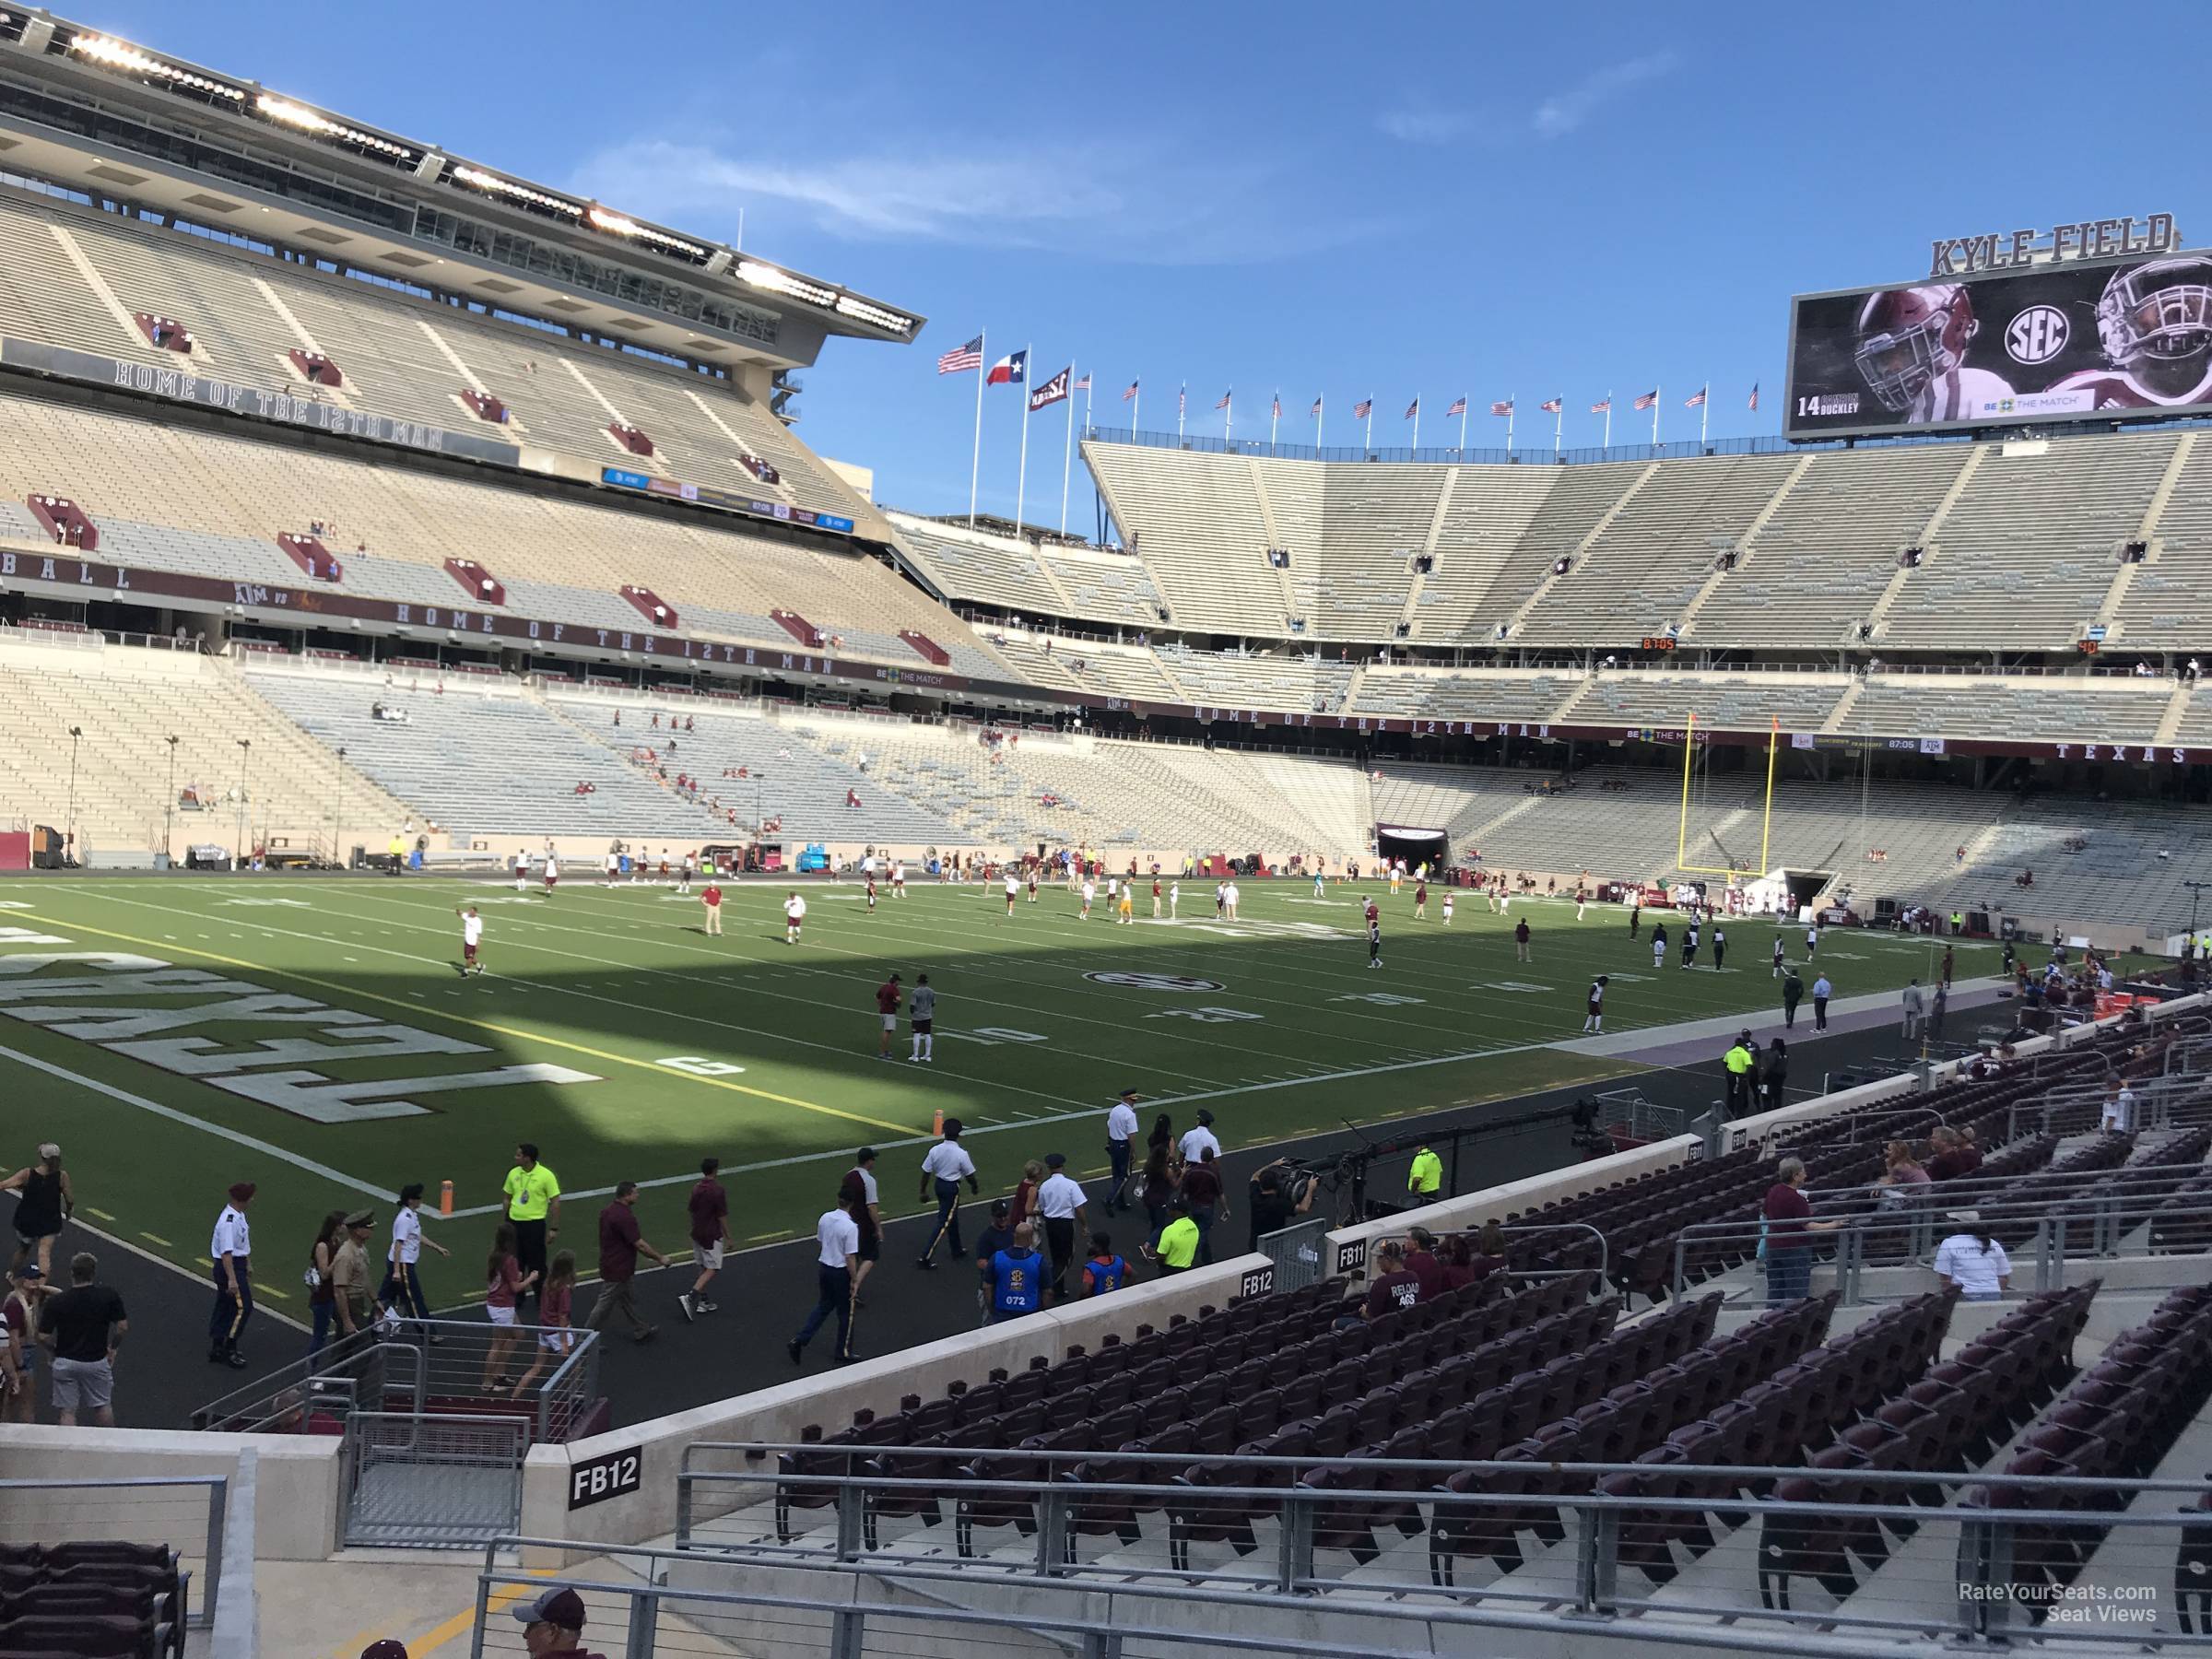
(2155, 325)
(1912, 353)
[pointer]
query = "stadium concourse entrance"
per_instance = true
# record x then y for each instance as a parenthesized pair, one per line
(1417, 847)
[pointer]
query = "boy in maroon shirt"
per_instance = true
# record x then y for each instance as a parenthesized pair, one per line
(710, 1207)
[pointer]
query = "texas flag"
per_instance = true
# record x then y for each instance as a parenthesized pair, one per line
(1013, 370)
(1459, 406)
(1552, 406)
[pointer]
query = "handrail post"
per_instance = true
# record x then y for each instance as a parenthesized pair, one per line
(219, 1503)
(852, 1512)
(1681, 1268)
(1597, 1560)
(644, 1623)
(1053, 1537)
(683, 1504)
(1294, 1562)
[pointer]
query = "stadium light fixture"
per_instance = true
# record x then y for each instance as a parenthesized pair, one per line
(863, 311)
(752, 273)
(284, 110)
(614, 224)
(520, 193)
(121, 54)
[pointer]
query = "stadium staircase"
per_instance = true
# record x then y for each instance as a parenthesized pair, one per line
(1927, 540)
(2111, 610)
(1513, 624)
(1747, 549)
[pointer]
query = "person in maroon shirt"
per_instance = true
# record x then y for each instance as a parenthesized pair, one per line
(620, 1245)
(1789, 1244)
(886, 1005)
(1952, 1158)
(1202, 1191)
(1393, 1289)
(709, 1208)
(1420, 1261)
(1487, 1255)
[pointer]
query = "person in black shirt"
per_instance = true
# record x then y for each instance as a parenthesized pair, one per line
(83, 1326)
(1269, 1205)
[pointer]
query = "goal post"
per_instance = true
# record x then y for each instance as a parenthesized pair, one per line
(1766, 816)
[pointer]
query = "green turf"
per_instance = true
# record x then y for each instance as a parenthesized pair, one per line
(616, 983)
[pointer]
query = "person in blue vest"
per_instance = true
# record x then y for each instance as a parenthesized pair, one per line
(1104, 1271)
(1018, 1278)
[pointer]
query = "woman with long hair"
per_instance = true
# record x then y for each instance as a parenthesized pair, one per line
(557, 1341)
(44, 1207)
(322, 1294)
(504, 1283)
(1163, 1132)
(1489, 1251)
(1157, 1189)
(1974, 1260)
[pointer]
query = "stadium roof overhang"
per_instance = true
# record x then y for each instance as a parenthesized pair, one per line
(778, 316)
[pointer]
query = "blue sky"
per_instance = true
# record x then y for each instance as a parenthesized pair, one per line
(1351, 201)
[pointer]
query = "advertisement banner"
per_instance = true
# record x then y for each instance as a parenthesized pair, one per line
(2113, 340)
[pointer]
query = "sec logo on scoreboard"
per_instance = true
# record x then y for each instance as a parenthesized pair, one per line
(1155, 981)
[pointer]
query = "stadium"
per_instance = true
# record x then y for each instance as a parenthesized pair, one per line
(458, 727)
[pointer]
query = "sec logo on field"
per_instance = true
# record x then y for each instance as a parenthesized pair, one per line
(1157, 982)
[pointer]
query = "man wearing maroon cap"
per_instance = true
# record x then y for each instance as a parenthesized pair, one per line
(553, 1624)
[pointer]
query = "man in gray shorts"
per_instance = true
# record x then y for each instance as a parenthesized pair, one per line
(83, 1327)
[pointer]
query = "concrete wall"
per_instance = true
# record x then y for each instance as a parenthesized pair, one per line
(297, 1478)
(830, 1399)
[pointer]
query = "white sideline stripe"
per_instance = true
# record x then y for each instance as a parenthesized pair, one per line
(261, 1308)
(190, 1121)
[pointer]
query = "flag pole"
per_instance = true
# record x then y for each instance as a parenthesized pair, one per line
(1658, 403)
(1137, 398)
(1463, 429)
(1416, 427)
(1370, 425)
(1022, 484)
(1275, 419)
(1513, 413)
(1067, 457)
(1607, 444)
(975, 460)
(1559, 425)
(1229, 411)
(1182, 404)
(1704, 413)
(1320, 408)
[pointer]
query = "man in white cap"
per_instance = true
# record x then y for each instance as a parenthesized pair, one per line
(553, 1624)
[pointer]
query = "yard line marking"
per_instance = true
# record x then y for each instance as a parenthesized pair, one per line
(237, 1136)
(155, 1238)
(344, 993)
(100, 1213)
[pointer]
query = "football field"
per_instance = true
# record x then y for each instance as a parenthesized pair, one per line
(316, 1036)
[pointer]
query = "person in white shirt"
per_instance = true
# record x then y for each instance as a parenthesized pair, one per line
(1090, 891)
(1973, 1260)
(1013, 890)
(1120, 1136)
(1230, 893)
(2119, 1115)
(472, 935)
(552, 874)
(1060, 1201)
(401, 1288)
(1174, 895)
(839, 1238)
(795, 912)
(614, 866)
(898, 881)
(946, 1166)
(1200, 1136)
(522, 871)
(683, 876)
(1447, 909)
(231, 1250)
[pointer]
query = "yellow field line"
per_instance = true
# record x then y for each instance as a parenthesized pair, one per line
(348, 992)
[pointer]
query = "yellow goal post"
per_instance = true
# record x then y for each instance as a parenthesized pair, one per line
(1766, 823)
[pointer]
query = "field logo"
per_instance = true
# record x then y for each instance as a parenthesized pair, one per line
(2036, 334)
(1155, 981)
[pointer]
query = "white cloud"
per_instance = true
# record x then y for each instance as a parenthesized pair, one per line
(1562, 113)
(1118, 204)
(1423, 123)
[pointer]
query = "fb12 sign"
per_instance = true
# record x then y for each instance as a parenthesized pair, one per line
(611, 1474)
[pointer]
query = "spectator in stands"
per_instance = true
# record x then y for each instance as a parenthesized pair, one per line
(553, 1623)
(1972, 1260)
(1902, 1180)
(44, 1203)
(1422, 1263)
(20, 1343)
(1787, 1244)
(1950, 1160)
(83, 1328)
(1488, 1254)
(1394, 1288)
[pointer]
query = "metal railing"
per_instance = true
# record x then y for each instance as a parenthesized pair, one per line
(420, 1366)
(2170, 1101)
(186, 1513)
(1725, 1563)
(431, 1482)
(1299, 1252)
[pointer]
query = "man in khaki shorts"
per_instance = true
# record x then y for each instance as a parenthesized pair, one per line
(83, 1327)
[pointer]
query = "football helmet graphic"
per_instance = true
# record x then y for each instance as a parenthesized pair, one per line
(1909, 336)
(2156, 313)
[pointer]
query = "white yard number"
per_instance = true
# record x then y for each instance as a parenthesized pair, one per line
(1205, 1016)
(1514, 985)
(25, 935)
(699, 1065)
(1381, 999)
(991, 1036)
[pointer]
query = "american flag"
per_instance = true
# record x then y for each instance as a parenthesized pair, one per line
(1084, 384)
(1131, 392)
(1506, 408)
(1755, 397)
(1315, 411)
(1695, 400)
(1459, 406)
(1361, 408)
(1648, 399)
(1413, 408)
(962, 359)
(1604, 405)
(1225, 398)
(1552, 406)
(1278, 405)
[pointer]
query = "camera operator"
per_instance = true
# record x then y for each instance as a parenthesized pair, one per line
(1280, 1193)
(1585, 1134)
